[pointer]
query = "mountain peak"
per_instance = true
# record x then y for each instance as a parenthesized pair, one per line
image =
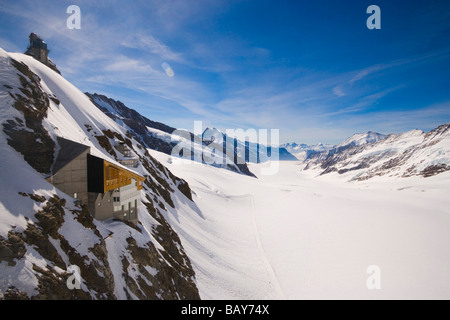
(411, 153)
(213, 135)
(359, 139)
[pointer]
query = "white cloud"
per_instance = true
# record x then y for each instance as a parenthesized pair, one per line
(339, 91)
(125, 64)
(365, 72)
(149, 43)
(9, 46)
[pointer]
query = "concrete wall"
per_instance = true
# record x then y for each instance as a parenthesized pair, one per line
(101, 205)
(72, 178)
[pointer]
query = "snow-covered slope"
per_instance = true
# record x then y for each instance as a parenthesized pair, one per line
(358, 139)
(294, 235)
(251, 152)
(303, 151)
(403, 155)
(158, 136)
(44, 232)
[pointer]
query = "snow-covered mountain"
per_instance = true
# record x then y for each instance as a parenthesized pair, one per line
(44, 232)
(303, 151)
(408, 154)
(160, 137)
(359, 139)
(251, 152)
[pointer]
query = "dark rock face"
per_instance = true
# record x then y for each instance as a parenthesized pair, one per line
(13, 293)
(12, 248)
(136, 122)
(131, 117)
(163, 274)
(434, 170)
(162, 286)
(29, 137)
(104, 142)
(96, 274)
(172, 277)
(160, 173)
(52, 282)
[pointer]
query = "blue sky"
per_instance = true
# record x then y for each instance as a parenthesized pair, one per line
(309, 68)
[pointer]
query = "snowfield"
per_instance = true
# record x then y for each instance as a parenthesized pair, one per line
(295, 235)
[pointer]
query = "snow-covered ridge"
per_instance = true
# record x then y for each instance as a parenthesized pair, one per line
(161, 137)
(43, 231)
(359, 139)
(403, 155)
(246, 149)
(303, 151)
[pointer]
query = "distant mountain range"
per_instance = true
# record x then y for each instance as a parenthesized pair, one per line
(251, 152)
(161, 137)
(361, 156)
(304, 151)
(414, 153)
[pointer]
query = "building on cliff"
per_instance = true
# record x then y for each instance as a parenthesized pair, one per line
(38, 50)
(109, 190)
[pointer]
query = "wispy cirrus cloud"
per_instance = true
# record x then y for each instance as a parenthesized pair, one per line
(342, 89)
(339, 91)
(352, 78)
(148, 43)
(231, 69)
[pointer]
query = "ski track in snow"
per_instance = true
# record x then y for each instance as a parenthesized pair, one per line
(273, 278)
(272, 275)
